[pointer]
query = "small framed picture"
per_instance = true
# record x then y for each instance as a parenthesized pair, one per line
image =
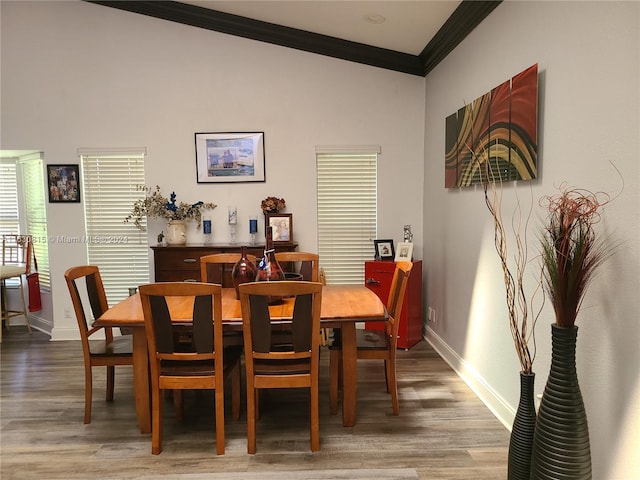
(404, 253)
(64, 183)
(281, 227)
(384, 249)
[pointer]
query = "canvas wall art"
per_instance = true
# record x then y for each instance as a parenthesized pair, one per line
(495, 137)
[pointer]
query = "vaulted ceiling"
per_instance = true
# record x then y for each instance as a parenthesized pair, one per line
(385, 34)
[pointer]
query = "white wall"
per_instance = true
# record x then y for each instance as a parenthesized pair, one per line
(78, 75)
(588, 55)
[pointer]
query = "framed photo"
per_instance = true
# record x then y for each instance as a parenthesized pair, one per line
(404, 253)
(282, 227)
(230, 157)
(64, 183)
(384, 249)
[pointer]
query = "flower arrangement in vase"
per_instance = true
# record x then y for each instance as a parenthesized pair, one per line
(571, 253)
(156, 205)
(272, 205)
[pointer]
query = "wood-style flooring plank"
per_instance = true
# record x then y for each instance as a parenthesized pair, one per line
(443, 432)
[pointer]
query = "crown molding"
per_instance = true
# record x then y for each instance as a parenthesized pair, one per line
(464, 19)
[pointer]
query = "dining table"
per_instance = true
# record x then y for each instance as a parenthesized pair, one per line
(343, 307)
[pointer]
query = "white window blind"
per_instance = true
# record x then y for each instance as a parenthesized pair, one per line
(9, 216)
(110, 181)
(36, 213)
(347, 212)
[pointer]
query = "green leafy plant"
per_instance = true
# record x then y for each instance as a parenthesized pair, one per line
(156, 205)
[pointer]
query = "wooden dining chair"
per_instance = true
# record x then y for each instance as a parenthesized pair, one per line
(304, 263)
(204, 364)
(269, 364)
(375, 344)
(308, 265)
(85, 284)
(217, 267)
(16, 263)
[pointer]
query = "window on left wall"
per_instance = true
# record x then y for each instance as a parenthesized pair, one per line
(110, 187)
(23, 204)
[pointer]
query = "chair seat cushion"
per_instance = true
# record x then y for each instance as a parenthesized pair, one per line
(372, 339)
(191, 368)
(282, 367)
(121, 346)
(195, 368)
(9, 271)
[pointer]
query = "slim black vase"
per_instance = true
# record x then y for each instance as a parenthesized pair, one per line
(524, 424)
(561, 448)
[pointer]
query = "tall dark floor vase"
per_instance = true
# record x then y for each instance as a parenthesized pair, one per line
(561, 448)
(524, 424)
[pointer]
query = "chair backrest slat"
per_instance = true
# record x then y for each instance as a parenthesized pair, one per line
(161, 324)
(202, 324)
(302, 312)
(260, 324)
(95, 291)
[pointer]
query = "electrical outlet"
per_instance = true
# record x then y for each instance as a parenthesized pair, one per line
(431, 315)
(67, 314)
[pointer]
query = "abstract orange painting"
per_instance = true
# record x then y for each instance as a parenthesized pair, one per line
(495, 137)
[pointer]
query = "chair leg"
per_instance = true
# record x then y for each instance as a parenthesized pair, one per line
(324, 337)
(111, 374)
(178, 403)
(219, 394)
(251, 419)
(334, 379)
(392, 383)
(156, 420)
(314, 417)
(236, 379)
(24, 307)
(88, 390)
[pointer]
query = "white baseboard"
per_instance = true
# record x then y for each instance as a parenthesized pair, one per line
(504, 412)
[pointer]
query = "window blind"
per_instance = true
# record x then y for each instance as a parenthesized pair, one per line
(36, 213)
(110, 181)
(9, 216)
(347, 212)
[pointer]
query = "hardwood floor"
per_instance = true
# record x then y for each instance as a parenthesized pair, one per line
(443, 432)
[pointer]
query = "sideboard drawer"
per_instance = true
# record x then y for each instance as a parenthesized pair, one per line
(179, 260)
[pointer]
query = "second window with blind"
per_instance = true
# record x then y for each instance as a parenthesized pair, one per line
(347, 211)
(110, 187)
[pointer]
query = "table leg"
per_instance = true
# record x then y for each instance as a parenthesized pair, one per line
(349, 374)
(141, 379)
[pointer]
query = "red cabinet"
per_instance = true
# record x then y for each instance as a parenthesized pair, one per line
(378, 276)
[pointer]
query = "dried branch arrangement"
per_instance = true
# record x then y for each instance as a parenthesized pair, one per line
(522, 329)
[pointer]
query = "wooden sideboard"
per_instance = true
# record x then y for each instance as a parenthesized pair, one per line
(180, 263)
